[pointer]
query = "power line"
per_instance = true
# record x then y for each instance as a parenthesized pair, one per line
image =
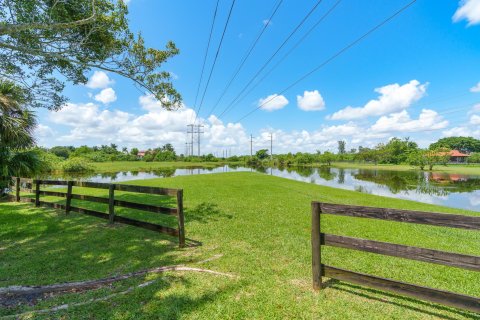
(285, 55)
(215, 60)
(206, 53)
(274, 54)
(343, 50)
(247, 55)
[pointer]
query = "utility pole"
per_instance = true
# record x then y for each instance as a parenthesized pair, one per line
(191, 131)
(199, 131)
(251, 146)
(271, 146)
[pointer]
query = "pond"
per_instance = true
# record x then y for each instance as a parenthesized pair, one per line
(453, 190)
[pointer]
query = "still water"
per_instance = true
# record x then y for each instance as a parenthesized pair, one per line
(453, 190)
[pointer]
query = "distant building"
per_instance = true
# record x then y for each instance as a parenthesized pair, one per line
(457, 156)
(141, 154)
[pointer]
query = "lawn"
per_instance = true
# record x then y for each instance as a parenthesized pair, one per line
(256, 227)
(473, 169)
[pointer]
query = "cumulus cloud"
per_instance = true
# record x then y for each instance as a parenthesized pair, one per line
(99, 80)
(393, 98)
(106, 96)
(273, 102)
(475, 88)
(461, 131)
(475, 119)
(401, 121)
(468, 10)
(311, 101)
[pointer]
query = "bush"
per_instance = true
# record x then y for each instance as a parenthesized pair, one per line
(474, 158)
(76, 165)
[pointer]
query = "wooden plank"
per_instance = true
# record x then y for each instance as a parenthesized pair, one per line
(68, 204)
(89, 212)
(87, 184)
(37, 193)
(395, 250)
(181, 219)
(143, 189)
(316, 247)
(424, 293)
(419, 217)
(54, 182)
(111, 203)
(53, 193)
(17, 190)
(89, 198)
(147, 225)
(146, 207)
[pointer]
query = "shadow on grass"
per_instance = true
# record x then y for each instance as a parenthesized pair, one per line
(205, 212)
(43, 246)
(364, 293)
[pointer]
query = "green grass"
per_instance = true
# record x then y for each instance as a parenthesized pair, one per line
(116, 166)
(261, 226)
(451, 168)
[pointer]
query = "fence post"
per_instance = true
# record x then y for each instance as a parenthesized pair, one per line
(37, 193)
(17, 190)
(181, 219)
(111, 203)
(69, 197)
(316, 247)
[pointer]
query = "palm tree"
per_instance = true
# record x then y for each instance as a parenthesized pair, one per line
(16, 136)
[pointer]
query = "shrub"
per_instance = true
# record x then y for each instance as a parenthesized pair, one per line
(76, 165)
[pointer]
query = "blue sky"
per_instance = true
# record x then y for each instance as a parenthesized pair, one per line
(414, 77)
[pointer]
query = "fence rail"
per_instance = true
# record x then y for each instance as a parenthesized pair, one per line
(111, 201)
(463, 261)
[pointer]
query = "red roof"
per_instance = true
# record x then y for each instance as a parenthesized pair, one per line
(456, 153)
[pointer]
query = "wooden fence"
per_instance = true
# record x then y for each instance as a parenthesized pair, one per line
(34, 185)
(414, 253)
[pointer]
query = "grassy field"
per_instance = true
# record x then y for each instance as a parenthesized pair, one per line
(258, 228)
(451, 168)
(116, 166)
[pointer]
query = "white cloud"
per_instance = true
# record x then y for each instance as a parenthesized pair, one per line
(311, 101)
(99, 80)
(475, 109)
(273, 102)
(468, 10)
(106, 96)
(401, 121)
(393, 98)
(461, 131)
(475, 119)
(43, 131)
(475, 88)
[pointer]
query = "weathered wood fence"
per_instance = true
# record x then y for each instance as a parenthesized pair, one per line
(414, 253)
(34, 185)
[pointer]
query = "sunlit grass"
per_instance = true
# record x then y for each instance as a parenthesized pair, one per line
(261, 226)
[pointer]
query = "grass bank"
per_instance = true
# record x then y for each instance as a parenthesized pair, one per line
(451, 168)
(259, 227)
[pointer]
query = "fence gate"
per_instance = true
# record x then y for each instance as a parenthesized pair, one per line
(414, 253)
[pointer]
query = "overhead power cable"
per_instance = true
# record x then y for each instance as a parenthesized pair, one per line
(247, 55)
(284, 56)
(333, 57)
(215, 60)
(206, 54)
(276, 52)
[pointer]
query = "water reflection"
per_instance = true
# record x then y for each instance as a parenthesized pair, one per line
(455, 190)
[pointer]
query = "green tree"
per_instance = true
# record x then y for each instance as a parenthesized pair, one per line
(342, 147)
(327, 158)
(42, 39)
(463, 144)
(474, 158)
(16, 127)
(262, 154)
(134, 151)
